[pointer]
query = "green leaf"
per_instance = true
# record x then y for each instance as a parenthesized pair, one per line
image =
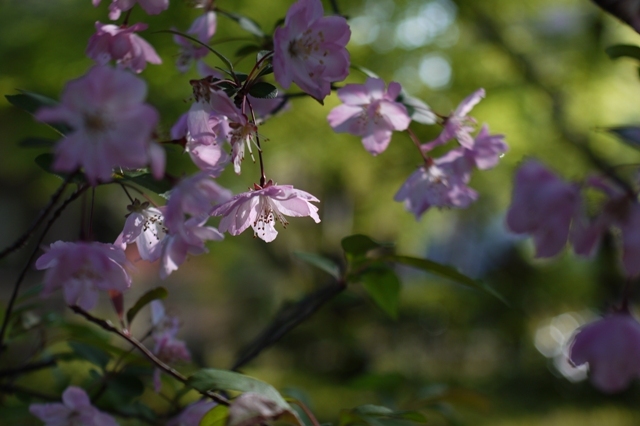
(623, 50)
(383, 286)
(217, 416)
(125, 387)
(263, 90)
(628, 134)
(245, 23)
(33, 142)
(446, 272)
(358, 245)
(365, 71)
(320, 262)
(146, 180)
(247, 49)
(144, 300)
(90, 353)
(213, 379)
(268, 69)
(31, 102)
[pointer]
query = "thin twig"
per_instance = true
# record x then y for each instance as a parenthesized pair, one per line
(108, 326)
(28, 368)
(307, 411)
(36, 249)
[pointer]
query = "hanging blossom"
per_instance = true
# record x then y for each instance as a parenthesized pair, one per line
(543, 206)
(122, 45)
(75, 409)
(152, 7)
(310, 49)
(81, 269)
(370, 111)
(145, 227)
(167, 347)
(442, 183)
(112, 126)
(202, 28)
(261, 207)
(611, 347)
(192, 414)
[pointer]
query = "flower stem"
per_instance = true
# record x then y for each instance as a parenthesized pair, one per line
(263, 177)
(416, 142)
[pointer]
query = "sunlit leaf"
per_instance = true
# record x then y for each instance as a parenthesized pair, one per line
(144, 300)
(217, 416)
(320, 262)
(383, 285)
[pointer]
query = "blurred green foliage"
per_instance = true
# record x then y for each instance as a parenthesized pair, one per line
(459, 354)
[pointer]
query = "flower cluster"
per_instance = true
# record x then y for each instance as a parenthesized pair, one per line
(75, 409)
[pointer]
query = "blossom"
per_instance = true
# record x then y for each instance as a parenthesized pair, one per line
(458, 124)
(611, 347)
(202, 28)
(192, 414)
(144, 226)
(204, 134)
(543, 206)
(261, 207)
(152, 7)
(75, 409)
(487, 149)
(371, 112)
(112, 126)
(123, 45)
(309, 49)
(440, 184)
(81, 269)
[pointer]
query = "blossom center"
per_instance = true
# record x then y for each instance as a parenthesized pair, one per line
(95, 123)
(302, 47)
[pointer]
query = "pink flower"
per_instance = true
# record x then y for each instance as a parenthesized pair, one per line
(75, 409)
(458, 125)
(122, 45)
(371, 112)
(543, 206)
(441, 184)
(145, 227)
(487, 149)
(205, 133)
(309, 49)
(611, 346)
(261, 207)
(192, 414)
(81, 269)
(167, 347)
(152, 7)
(112, 126)
(202, 28)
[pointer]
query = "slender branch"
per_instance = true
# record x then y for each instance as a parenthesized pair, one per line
(286, 320)
(36, 249)
(28, 368)
(20, 242)
(108, 326)
(263, 177)
(307, 411)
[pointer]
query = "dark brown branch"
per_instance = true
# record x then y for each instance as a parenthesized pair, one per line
(286, 320)
(108, 326)
(28, 368)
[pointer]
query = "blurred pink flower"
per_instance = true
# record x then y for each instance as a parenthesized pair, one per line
(458, 125)
(81, 269)
(611, 346)
(112, 126)
(309, 49)
(441, 184)
(144, 226)
(192, 414)
(75, 409)
(261, 207)
(122, 45)
(370, 111)
(487, 149)
(167, 347)
(204, 136)
(543, 206)
(152, 7)
(202, 28)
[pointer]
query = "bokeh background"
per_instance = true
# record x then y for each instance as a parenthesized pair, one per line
(459, 354)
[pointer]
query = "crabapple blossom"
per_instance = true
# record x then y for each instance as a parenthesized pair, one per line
(145, 227)
(122, 45)
(487, 149)
(611, 347)
(309, 49)
(192, 414)
(167, 347)
(370, 111)
(81, 269)
(458, 125)
(443, 183)
(152, 7)
(75, 409)
(112, 126)
(543, 206)
(261, 207)
(204, 135)
(202, 28)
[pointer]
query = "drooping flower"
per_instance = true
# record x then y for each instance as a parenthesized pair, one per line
(112, 126)
(458, 125)
(309, 49)
(261, 207)
(75, 409)
(144, 226)
(440, 184)
(81, 269)
(487, 149)
(167, 347)
(202, 28)
(611, 347)
(543, 206)
(192, 414)
(205, 133)
(370, 111)
(128, 49)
